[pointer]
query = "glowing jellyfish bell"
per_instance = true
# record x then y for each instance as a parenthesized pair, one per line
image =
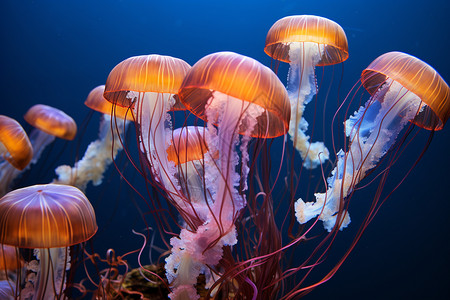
(16, 152)
(48, 218)
(147, 84)
(403, 89)
(243, 99)
(305, 42)
(48, 123)
(101, 152)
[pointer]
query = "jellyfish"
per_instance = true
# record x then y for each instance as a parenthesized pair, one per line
(188, 150)
(305, 42)
(48, 123)
(16, 152)
(147, 84)
(403, 89)
(47, 218)
(101, 152)
(242, 98)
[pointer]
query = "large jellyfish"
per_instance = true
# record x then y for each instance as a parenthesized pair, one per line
(101, 152)
(305, 42)
(47, 218)
(16, 152)
(242, 98)
(403, 89)
(147, 84)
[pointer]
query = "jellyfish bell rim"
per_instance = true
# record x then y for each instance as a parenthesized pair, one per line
(51, 120)
(432, 90)
(123, 78)
(198, 87)
(19, 232)
(277, 41)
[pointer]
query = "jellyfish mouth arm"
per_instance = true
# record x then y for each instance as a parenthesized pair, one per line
(193, 252)
(230, 113)
(54, 262)
(372, 131)
(190, 176)
(301, 90)
(191, 255)
(327, 204)
(39, 140)
(98, 156)
(151, 112)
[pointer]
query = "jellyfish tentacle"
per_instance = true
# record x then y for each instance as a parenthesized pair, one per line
(301, 90)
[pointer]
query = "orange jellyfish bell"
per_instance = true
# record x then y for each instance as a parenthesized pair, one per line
(188, 144)
(419, 78)
(242, 78)
(52, 121)
(97, 102)
(143, 74)
(16, 143)
(307, 28)
(46, 216)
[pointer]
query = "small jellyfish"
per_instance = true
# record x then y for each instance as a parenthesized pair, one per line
(16, 152)
(403, 89)
(47, 218)
(48, 123)
(305, 42)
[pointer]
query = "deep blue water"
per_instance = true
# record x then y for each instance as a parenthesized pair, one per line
(55, 52)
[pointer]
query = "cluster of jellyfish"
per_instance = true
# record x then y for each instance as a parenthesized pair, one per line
(216, 170)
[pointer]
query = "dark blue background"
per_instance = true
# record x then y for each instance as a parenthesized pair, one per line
(55, 52)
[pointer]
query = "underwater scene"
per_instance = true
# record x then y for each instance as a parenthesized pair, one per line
(224, 149)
